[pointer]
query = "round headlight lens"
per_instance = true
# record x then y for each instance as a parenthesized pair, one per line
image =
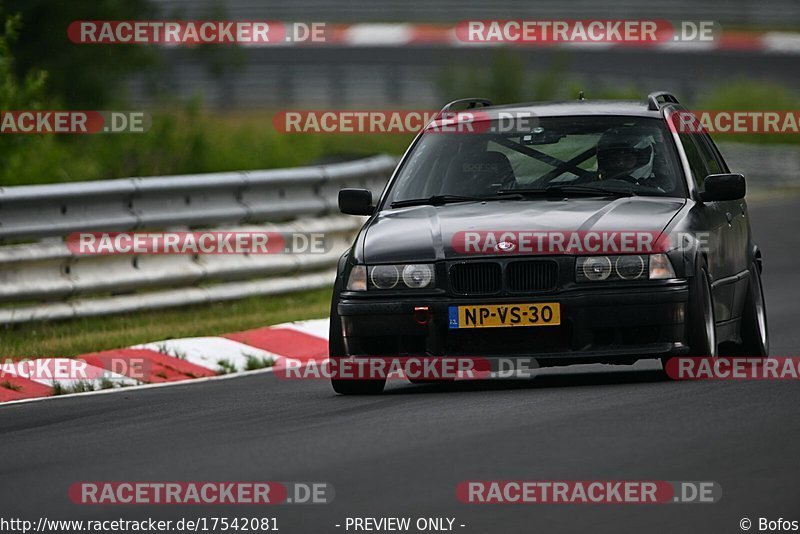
(630, 267)
(384, 276)
(597, 268)
(417, 276)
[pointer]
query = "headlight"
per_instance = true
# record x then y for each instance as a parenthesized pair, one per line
(417, 276)
(660, 267)
(595, 268)
(386, 277)
(630, 267)
(625, 267)
(357, 281)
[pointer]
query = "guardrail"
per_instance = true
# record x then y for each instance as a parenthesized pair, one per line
(190, 200)
(46, 280)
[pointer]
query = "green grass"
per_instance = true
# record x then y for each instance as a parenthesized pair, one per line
(225, 367)
(79, 336)
(256, 362)
(181, 141)
(78, 387)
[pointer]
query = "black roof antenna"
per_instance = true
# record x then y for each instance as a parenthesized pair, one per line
(580, 96)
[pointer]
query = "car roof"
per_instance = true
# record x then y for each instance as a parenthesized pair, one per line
(635, 108)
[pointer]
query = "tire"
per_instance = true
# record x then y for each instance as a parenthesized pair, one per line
(336, 349)
(702, 330)
(358, 387)
(431, 380)
(754, 330)
(702, 334)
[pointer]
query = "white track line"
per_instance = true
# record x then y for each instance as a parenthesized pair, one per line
(314, 327)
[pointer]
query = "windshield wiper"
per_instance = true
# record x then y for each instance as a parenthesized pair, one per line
(590, 189)
(438, 200)
(583, 190)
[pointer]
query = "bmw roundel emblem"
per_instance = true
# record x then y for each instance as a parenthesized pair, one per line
(505, 246)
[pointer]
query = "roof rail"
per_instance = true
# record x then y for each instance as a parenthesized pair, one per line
(654, 100)
(472, 103)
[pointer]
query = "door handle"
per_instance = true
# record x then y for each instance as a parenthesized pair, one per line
(741, 206)
(729, 217)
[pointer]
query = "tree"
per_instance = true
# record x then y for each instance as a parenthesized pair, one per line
(79, 75)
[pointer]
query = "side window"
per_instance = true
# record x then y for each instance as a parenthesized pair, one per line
(697, 161)
(708, 155)
(720, 162)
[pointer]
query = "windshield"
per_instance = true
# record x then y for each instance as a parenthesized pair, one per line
(629, 155)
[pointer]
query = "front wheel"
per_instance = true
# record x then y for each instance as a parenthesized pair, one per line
(355, 386)
(336, 349)
(754, 332)
(700, 324)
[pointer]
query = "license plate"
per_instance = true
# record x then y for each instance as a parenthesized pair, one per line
(495, 315)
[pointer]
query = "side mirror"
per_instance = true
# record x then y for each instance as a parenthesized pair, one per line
(723, 187)
(356, 202)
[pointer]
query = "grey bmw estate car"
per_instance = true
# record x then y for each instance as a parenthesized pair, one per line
(442, 266)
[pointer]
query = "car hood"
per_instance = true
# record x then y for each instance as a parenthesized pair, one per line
(425, 233)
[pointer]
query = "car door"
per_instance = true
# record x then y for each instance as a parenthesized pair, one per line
(719, 220)
(739, 253)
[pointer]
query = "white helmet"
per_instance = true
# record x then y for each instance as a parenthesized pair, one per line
(624, 154)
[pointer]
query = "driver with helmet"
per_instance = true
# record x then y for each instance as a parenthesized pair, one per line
(625, 155)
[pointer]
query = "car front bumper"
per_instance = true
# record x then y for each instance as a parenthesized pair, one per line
(597, 324)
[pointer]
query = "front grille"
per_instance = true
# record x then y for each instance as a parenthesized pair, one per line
(532, 275)
(479, 278)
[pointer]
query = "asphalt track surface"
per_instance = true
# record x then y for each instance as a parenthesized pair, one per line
(402, 454)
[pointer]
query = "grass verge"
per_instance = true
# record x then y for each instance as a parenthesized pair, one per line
(79, 336)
